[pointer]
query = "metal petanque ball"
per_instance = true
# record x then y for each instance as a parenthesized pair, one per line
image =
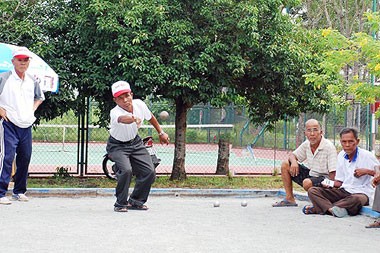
(216, 204)
(164, 115)
(244, 203)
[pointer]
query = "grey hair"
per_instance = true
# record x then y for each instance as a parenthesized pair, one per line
(312, 121)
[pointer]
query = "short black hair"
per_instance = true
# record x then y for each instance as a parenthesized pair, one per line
(348, 130)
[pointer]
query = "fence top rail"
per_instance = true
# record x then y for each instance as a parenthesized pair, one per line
(217, 126)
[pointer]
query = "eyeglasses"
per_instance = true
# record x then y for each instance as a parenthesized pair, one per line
(312, 130)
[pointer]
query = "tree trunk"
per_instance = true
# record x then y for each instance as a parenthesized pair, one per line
(178, 171)
(222, 167)
(300, 130)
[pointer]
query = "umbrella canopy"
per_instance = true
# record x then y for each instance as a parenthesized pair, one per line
(37, 67)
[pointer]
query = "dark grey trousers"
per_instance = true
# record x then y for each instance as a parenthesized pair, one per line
(131, 158)
(325, 198)
(376, 200)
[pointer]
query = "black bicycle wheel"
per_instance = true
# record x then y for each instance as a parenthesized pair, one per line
(107, 168)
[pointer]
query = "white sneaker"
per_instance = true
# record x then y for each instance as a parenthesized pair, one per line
(20, 197)
(339, 211)
(5, 201)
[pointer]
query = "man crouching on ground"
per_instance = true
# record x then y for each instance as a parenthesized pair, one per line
(319, 156)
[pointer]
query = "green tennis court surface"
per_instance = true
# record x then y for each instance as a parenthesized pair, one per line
(200, 158)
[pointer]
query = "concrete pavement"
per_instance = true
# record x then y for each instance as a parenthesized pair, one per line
(179, 220)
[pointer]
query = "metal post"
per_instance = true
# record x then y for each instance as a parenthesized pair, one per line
(372, 140)
(82, 153)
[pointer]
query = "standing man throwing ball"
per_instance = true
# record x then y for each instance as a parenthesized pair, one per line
(126, 149)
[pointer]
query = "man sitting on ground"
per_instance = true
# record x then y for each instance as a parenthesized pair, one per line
(319, 156)
(376, 201)
(351, 188)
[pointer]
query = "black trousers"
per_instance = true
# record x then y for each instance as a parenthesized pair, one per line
(131, 158)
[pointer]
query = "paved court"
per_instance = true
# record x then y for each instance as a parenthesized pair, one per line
(178, 223)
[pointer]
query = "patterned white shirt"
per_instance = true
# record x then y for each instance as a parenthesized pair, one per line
(322, 162)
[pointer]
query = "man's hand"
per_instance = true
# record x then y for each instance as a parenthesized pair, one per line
(294, 169)
(360, 172)
(3, 114)
(164, 138)
(138, 122)
(376, 180)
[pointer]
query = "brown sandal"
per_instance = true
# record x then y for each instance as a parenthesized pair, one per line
(376, 224)
(135, 207)
(120, 209)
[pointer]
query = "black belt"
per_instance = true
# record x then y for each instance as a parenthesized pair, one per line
(125, 142)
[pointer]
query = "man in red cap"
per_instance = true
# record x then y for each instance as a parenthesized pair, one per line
(20, 96)
(126, 148)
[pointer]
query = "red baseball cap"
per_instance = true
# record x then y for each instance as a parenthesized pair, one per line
(22, 53)
(120, 87)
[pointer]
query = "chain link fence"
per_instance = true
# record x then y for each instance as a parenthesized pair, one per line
(254, 150)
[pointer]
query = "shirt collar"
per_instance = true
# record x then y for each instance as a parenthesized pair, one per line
(321, 144)
(14, 73)
(355, 156)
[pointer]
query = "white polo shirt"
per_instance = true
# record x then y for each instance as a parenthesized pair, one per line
(17, 98)
(127, 132)
(345, 172)
(322, 162)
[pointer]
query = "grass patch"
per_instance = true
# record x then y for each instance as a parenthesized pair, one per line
(194, 182)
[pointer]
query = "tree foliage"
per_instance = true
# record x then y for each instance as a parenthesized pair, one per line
(21, 23)
(185, 51)
(273, 81)
(16, 22)
(353, 62)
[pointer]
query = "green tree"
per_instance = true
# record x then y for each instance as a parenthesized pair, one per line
(344, 16)
(185, 51)
(16, 24)
(273, 80)
(350, 66)
(361, 54)
(347, 17)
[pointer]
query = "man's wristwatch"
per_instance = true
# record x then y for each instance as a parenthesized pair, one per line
(161, 133)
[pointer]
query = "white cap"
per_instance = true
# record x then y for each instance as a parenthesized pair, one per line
(22, 53)
(120, 87)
